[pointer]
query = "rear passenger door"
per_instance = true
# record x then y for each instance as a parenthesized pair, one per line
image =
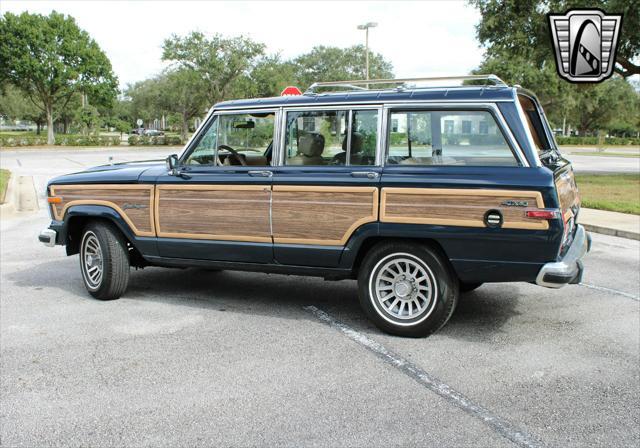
(325, 187)
(457, 172)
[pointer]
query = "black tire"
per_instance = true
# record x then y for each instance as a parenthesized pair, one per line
(440, 283)
(113, 259)
(468, 287)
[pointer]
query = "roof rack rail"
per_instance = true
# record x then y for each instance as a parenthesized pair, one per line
(357, 84)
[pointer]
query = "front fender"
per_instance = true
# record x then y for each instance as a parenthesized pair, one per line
(75, 219)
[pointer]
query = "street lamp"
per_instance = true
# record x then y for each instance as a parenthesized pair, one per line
(366, 27)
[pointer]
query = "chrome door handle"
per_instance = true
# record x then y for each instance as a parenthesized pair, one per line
(367, 174)
(260, 173)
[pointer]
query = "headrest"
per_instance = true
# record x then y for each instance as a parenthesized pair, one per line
(356, 142)
(311, 145)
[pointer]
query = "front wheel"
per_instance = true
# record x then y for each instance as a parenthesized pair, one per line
(407, 289)
(104, 261)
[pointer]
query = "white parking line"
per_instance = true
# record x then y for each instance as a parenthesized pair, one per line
(433, 384)
(609, 290)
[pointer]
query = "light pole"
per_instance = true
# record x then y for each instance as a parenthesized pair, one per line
(366, 27)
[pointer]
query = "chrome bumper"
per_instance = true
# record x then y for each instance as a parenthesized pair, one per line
(569, 269)
(48, 237)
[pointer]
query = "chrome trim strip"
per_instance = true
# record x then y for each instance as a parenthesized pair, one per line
(345, 103)
(347, 160)
(383, 136)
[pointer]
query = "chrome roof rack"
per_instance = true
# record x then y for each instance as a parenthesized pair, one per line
(402, 82)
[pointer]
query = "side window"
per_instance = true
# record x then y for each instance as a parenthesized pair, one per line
(204, 152)
(316, 137)
(245, 139)
(458, 138)
(236, 139)
(364, 137)
(322, 137)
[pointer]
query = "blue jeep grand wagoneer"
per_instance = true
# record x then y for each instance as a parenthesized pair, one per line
(420, 193)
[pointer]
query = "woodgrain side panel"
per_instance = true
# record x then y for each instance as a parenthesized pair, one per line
(133, 202)
(458, 207)
(216, 212)
(321, 215)
(567, 193)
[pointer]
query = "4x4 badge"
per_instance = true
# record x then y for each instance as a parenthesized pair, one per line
(585, 41)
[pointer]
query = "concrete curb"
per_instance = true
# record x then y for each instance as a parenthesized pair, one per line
(10, 198)
(612, 232)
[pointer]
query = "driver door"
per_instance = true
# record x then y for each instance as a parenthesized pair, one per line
(217, 206)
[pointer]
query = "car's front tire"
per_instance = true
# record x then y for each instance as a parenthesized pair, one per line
(407, 289)
(104, 261)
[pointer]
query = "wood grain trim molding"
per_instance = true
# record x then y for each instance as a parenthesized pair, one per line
(372, 217)
(57, 190)
(458, 210)
(207, 236)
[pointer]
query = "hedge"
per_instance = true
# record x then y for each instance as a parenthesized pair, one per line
(160, 140)
(595, 140)
(60, 140)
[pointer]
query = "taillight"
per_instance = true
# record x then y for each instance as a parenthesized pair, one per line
(542, 214)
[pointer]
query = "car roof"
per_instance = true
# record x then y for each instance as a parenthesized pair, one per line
(444, 94)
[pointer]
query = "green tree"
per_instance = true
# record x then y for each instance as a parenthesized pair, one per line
(144, 99)
(50, 58)
(181, 93)
(519, 50)
(219, 61)
(517, 28)
(338, 64)
(599, 106)
(268, 77)
(16, 106)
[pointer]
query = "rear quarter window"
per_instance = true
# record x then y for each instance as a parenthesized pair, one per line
(449, 138)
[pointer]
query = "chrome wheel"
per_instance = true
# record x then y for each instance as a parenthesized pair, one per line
(403, 288)
(92, 260)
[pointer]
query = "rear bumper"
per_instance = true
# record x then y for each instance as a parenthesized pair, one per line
(569, 269)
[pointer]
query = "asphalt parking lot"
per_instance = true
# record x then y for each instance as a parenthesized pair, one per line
(198, 358)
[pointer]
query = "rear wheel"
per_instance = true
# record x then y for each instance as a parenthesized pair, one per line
(407, 289)
(104, 261)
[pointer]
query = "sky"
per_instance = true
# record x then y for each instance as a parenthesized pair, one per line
(426, 38)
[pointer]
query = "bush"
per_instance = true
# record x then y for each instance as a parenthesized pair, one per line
(584, 140)
(26, 140)
(88, 140)
(160, 140)
(60, 140)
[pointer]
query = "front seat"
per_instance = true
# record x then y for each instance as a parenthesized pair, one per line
(310, 148)
(357, 140)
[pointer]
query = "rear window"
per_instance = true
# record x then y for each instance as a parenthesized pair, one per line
(464, 138)
(534, 123)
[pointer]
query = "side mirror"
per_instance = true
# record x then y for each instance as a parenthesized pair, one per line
(172, 163)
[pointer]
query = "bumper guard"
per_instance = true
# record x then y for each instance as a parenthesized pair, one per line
(569, 269)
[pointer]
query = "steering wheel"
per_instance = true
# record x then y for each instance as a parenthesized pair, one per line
(234, 153)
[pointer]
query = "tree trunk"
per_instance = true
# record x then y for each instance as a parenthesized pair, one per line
(50, 137)
(38, 127)
(185, 127)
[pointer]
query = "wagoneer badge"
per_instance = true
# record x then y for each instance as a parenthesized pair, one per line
(515, 203)
(585, 41)
(127, 206)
